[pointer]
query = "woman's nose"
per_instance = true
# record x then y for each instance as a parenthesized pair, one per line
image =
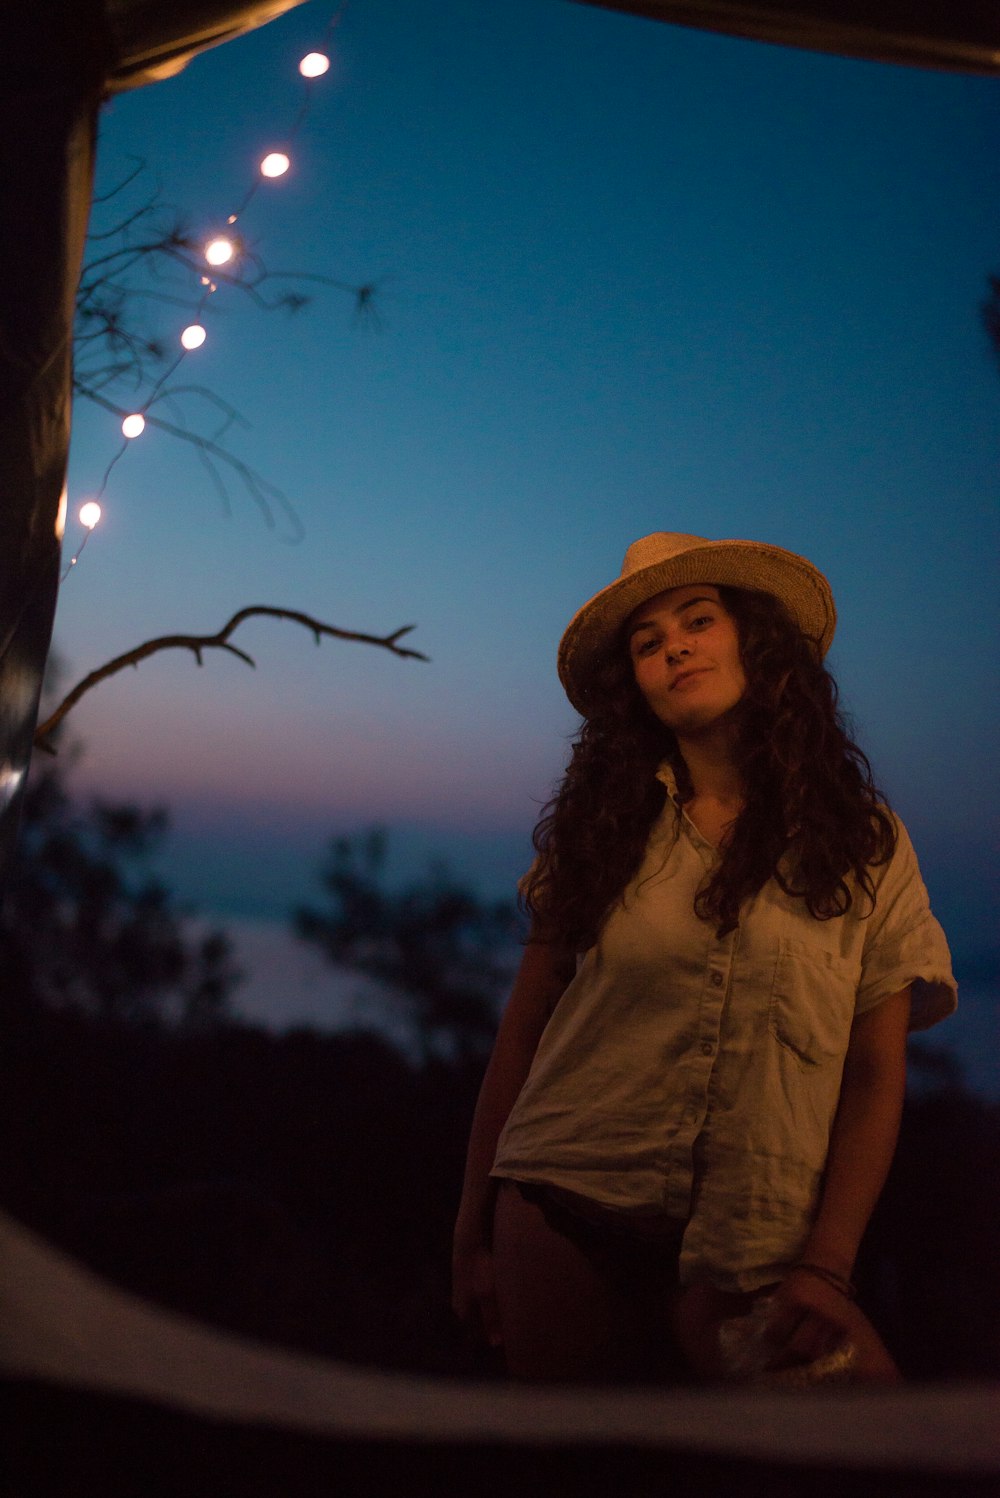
(676, 651)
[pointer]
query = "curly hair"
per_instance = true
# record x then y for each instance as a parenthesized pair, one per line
(812, 816)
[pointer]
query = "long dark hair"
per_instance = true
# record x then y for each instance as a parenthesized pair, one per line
(812, 815)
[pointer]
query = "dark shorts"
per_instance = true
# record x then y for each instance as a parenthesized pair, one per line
(634, 1256)
(638, 1262)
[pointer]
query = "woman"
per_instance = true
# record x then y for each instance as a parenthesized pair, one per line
(696, 1088)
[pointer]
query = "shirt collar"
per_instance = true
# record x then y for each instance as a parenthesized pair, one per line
(666, 774)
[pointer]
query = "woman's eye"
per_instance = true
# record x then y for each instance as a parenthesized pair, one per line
(700, 621)
(647, 646)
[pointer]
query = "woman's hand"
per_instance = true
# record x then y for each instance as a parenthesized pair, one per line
(473, 1292)
(807, 1319)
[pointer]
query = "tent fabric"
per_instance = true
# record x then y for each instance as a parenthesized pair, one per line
(54, 59)
(63, 1325)
(152, 40)
(961, 35)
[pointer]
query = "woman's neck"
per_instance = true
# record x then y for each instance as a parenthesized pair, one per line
(711, 767)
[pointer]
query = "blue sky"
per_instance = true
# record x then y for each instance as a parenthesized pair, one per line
(630, 277)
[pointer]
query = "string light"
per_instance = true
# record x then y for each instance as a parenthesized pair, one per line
(275, 164)
(220, 251)
(314, 65)
(88, 515)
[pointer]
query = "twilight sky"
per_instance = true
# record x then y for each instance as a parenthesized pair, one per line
(630, 277)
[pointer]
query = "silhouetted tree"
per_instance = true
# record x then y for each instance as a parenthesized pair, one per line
(442, 951)
(85, 925)
(929, 1261)
(303, 1186)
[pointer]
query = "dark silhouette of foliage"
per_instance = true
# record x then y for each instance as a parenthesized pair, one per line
(929, 1260)
(299, 1187)
(302, 1187)
(446, 954)
(85, 925)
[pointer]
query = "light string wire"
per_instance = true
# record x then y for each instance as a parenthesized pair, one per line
(312, 66)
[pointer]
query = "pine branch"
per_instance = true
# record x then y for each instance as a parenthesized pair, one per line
(199, 643)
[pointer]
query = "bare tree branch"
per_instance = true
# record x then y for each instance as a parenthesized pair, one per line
(198, 643)
(117, 356)
(138, 169)
(260, 489)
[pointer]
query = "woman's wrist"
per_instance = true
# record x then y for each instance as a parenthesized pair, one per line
(828, 1276)
(832, 1249)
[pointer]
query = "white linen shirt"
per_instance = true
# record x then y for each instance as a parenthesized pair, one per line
(693, 1077)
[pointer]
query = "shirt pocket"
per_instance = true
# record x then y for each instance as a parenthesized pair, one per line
(812, 1002)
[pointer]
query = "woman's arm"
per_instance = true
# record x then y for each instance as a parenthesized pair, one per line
(544, 973)
(809, 1311)
(864, 1135)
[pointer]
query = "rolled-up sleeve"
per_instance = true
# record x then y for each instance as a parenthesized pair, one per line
(904, 944)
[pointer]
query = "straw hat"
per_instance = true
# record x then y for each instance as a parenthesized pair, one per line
(667, 559)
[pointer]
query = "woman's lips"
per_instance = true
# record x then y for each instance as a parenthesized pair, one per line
(679, 681)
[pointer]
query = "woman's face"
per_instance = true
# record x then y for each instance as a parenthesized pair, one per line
(685, 654)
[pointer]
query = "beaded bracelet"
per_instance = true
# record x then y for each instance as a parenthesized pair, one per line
(837, 1281)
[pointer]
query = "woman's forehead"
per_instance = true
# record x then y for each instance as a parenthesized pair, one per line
(674, 599)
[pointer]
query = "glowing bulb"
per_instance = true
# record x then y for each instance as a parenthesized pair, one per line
(90, 514)
(134, 426)
(275, 164)
(220, 251)
(314, 65)
(193, 336)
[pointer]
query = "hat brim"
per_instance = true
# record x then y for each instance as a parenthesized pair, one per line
(594, 629)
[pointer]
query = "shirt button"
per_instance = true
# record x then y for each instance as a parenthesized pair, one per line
(707, 1048)
(717, 980)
